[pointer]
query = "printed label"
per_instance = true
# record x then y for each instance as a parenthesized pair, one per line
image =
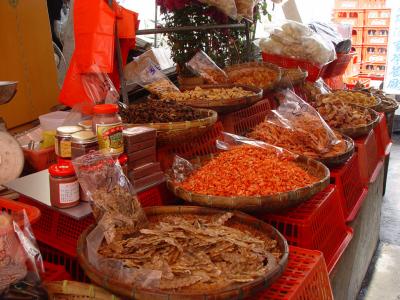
(63, 148)
(110, 137)
(69, 192)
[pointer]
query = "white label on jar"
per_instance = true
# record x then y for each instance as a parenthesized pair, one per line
(69, 192)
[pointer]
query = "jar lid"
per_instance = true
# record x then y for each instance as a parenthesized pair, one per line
(62, 170)
(123, 159)
(86, 124)
(102, 109)
(83, 137)
(68, 130)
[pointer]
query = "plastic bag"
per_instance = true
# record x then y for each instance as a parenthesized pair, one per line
(310, 91)
(114, 201)
(296, 40)
(330, 34)
(296, 126)
(203, 65)
(20, 258)
(245, 8)
(152, 79)
(228, 7)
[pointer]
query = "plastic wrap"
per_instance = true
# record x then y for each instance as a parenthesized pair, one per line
(114, 202)
(296, 40)
(20, 259)
(330, 34)
(228, 7)
(296, 126)
(310, 91)
(203, 65)
(152, 79)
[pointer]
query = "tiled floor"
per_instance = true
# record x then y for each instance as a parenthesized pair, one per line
(383, 279)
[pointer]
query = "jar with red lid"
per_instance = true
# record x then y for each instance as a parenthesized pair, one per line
(123, 161)
(64, 186)
(107, 125)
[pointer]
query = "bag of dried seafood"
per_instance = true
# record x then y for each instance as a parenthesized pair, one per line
(114, 201)
(203, 65)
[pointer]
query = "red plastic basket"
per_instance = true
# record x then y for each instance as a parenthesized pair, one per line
(354, 17)
(369, 160)
(377, 17)
(316, 224)
(54, 272)
(357, 36)
(242, 121)
(314, 72)
(202, 145)
(156, 196)
(12, 206)
(59, 258)
(376, 36)
(351, 188)
(305, 278)
(383, 140)
(42, 159)
(351, 82)
(374, 54)
(338, 66)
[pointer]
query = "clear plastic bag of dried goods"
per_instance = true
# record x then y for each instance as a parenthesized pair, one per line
(114, 201)
(295, 40)
(296, 126)
(21, 263)
(310, 91)
(228, 7)
(204, 66)
(152, 79)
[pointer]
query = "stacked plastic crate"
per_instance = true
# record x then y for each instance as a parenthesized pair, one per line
(370, 22)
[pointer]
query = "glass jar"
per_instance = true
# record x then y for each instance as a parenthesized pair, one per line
(64, 186)
(82, 143)
(63, 140)
(107, 125)
(86, 125)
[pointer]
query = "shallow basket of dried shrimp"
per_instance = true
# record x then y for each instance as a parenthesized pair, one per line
(240, 189)
(223, 98)
(341, 156)
(206, 254)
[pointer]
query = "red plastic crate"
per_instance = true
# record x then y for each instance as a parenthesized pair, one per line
(357, 36)
(383, 140)
(240, 122)
(377, 17)
(346, 4)
(314, 72)
(305, 278)
(351, 82)
(59, 258)
(374, 69)
(338, 66)
(369, 160)
(202, 145)
(317, 224)
(54, 272)
(11, 206)
(374, 54)
(354, 17)
(372, 3)
(351, 188)
(156, 196)
(336, 82)
(376, 35)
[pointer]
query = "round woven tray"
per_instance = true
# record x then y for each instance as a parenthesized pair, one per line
(271, 85)
(389, 106)
(224, 106)
(289, 79)
(335, 161)
(271, 203)
(73, 290)
(363, 130)
(374, 107)
(175, 132)
(234, 291)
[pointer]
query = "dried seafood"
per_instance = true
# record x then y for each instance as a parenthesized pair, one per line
(257, 76)
(203, 95)
(196, 252)
(359, 98)
(248, 171)
(118, 211)
(157, 111)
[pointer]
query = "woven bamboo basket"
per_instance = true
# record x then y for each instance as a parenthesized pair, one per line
(234, 291)
(176, 132)
(271, 203)
(268, 86)
(224, 106)
(374, 107)
(356, 132)
(291, 77)
(72, 290)
(335, 161)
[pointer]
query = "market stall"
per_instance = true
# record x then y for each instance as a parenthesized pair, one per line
(251, 177)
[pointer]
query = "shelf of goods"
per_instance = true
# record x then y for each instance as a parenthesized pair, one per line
(346, 4)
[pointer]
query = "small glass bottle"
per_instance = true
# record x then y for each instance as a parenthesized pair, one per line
(107, 125)
(82, 143)
(64, 186)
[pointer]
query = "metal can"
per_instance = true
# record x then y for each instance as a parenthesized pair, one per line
(63, 140)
